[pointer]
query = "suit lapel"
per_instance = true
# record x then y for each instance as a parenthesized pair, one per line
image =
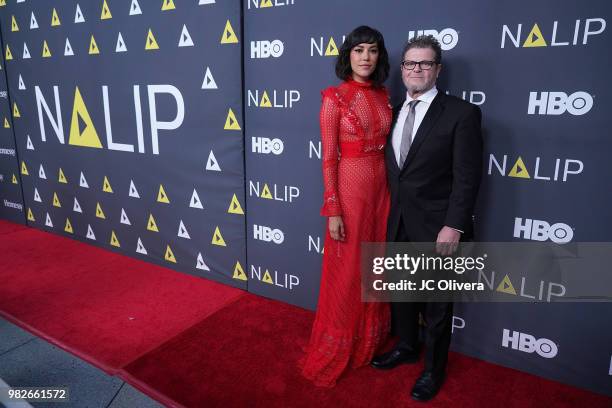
(389, 153)
(434, 111)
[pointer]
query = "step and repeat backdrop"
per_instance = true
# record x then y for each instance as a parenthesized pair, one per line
(130, 134)
(11, 200)
(127, 117)
(540, 73)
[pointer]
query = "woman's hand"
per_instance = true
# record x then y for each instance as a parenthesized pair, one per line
(336, 228)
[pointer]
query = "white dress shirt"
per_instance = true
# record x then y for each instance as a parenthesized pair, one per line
(419, 113)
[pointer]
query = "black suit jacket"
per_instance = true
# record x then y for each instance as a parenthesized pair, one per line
(439, 181)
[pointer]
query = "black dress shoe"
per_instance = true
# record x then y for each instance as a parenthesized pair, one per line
(426, 386)
(394, 358)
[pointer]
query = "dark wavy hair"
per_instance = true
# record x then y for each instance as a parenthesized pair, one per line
(368, 35)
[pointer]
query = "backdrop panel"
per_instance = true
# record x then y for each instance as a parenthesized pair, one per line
(11, 200)
(540, 73)
(129, 127)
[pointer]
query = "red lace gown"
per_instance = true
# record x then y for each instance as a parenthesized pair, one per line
(355, 120)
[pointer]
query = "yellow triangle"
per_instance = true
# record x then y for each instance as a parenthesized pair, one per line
(56, 201)
(99, 212)
(505, 286)
(151, 225)
(106, 187)
(231, 123)
(535, 38)
(265, 101)
(162, 197)
(228, 37)
(2, 3)
(235, 207)
(331, 49)
(218, 238)
(239, 272)
(106, 14)
(267, 278)
(55, 21)
(151, 43)
(93, 46)
(265, 3)
(114, 241)
(24, 169)
(68, 227)
(16, 113)
(8, 55)
(519, 170)
(46, 52)
(30, 215)
(89, 137)
(168, 5)
(265, 192)
(62, 177)
(169, 255)
(14, 26)
(6, 123)
(15, 179)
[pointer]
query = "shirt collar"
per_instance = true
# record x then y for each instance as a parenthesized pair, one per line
(427, 97)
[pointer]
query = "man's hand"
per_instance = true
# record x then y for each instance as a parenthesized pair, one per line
(448, 240)
(336, 228)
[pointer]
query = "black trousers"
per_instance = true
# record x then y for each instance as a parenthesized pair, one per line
(438, 317)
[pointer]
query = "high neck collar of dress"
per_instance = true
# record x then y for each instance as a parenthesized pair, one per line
(352, 82)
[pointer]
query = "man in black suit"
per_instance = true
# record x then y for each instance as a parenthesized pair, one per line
(434, 160)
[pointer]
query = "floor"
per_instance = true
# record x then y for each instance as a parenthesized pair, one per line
(28, 361)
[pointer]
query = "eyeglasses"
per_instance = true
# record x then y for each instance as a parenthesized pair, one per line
(424, 65)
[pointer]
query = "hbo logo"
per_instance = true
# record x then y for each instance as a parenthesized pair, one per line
(267, 146)
(557, 103)
(267, 234)
(448, 37)
(266, 49)
(527, 343)
(537, 230)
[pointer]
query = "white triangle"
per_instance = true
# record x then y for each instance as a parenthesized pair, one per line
(77, 206)
(90, 233)
(48, 221)
(185, 40)
(212, 163)
(29, 144)
(140, 248)
(21, 83)
(209, 81)
(182, 232)
(41, 173)
(133, 191)
(200, 264)
(83, 182)
(206, 2)
(33, 22)
(195, 200)
(120, 44)
(78, 16)
(124, 218)
(26, 52)
(36, 195)
(135, 8)
(68, 48)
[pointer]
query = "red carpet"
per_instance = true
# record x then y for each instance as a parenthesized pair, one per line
(191, 342)
(104, 307)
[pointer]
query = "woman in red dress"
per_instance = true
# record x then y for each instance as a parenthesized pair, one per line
(355, 121)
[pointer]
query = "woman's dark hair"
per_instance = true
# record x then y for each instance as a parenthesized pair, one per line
(368, 35)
